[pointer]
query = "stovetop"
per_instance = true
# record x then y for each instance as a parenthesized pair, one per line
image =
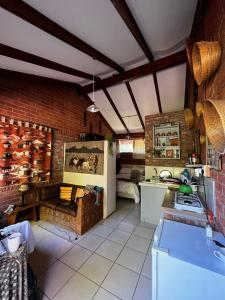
(190, 202)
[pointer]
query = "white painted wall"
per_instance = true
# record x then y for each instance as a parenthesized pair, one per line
(107, 180)
(149, 171)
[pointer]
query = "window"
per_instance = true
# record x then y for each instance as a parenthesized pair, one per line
(139, 149)
(126, 146)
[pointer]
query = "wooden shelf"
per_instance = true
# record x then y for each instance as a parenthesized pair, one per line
(167, 129)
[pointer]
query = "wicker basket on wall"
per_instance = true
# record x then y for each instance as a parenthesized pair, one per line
(205, 59)
(189, 118)
(214, 119)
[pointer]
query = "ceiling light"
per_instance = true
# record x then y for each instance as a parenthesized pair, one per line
(93, 108)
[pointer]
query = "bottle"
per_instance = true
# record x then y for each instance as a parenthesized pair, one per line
(209, 231)
(193, 158)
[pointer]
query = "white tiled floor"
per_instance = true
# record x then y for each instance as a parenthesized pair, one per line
(112, 261)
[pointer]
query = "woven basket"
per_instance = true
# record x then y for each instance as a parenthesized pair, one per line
(214, 119)
(199, 109)
(189, 118)
(205, 58)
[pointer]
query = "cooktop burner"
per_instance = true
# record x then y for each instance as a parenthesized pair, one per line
(189, 202)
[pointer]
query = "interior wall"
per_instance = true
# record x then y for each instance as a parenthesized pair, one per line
(186, 142)
(107, 180)
(211, 27)
(46, 102)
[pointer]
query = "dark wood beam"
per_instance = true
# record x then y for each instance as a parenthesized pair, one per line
(100, 115)
(125, 13)
(187, 85)
(115, 109)
(9, 74)
(157, 92)
(135, 104)
(40, 61)
(135, 135)
(149, 68)
(199, 12)
(29, 14)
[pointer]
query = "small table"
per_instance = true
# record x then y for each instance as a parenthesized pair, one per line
(21, 213)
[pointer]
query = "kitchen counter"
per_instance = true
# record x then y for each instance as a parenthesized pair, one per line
(183, 216)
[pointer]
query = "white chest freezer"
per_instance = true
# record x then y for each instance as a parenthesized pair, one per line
(183, 264)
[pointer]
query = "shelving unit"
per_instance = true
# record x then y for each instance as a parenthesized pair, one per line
(166, 141)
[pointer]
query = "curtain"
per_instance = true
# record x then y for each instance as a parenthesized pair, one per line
(139, 149)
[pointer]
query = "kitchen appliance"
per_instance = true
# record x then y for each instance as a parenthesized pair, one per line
(185, 188)
(184, 265)
(185, 176)
(190, 202)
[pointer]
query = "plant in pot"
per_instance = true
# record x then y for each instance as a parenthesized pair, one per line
(111, 140)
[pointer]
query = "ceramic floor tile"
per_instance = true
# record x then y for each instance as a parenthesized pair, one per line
(96, 268)
(121, 282)
(110, 223)
(91, 241)
(143, 290)
(138, 243)
(40, 261)
(148, 225)
(54, 246)
(144, 232)
(43, 296)
(104, 295)
(102, 230)
(40, 233)
(76, 256)
(132, 220)
(131, 259)
(54, 278)
(119, 236)
(78, 287)
(110, 249)
(128, 227)
(147, 268)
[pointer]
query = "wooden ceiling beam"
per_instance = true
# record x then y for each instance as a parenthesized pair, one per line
(135, 135)
(40, 61)
(125, 13)
(199, 12)
(29, 14)
(115, 109)
(135, 104)
(157, 92)
(149, 68)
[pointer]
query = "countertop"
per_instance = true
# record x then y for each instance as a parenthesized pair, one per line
(156, 184)
(168, 206)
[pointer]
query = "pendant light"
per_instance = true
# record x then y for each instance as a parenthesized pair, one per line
(93, 108)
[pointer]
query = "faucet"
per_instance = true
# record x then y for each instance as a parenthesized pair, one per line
(156, 173)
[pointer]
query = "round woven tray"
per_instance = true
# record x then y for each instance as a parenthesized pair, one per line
(199, 109)
(189, 118)
(214, 119)
(205, 59)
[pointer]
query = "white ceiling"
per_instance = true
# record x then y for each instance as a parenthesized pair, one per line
(165, 25)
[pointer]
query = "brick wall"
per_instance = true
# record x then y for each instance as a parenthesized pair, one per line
(185, 134)
(212, 28)
(46, 102)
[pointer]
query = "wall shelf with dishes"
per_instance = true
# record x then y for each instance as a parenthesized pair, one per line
(166, 141)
